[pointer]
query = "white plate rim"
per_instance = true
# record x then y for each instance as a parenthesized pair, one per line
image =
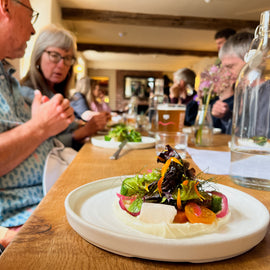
(147, 142)
(155, 241)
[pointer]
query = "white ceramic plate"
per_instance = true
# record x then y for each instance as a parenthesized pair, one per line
(188, 130)
(90, 213)
(147, 142)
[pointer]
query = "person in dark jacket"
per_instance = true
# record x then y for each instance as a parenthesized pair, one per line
(232, 56)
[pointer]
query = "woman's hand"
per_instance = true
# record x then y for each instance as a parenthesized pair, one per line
(97, 122)
(87, 115)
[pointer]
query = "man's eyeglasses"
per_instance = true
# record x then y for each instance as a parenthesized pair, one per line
(55, 57)
(34, 13)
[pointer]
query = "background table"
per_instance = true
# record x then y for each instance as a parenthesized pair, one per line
(47, 241)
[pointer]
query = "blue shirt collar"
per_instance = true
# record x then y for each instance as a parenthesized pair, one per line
(8, 68)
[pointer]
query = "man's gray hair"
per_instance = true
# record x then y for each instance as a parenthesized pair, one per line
(185, 74)
(236, 45)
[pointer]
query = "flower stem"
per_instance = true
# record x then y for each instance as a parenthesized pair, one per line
(200, 130)
(208, 101)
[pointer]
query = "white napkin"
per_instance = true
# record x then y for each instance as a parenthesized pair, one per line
(213, 162)
(254, 166)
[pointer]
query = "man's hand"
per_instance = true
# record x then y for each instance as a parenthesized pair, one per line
(52, 116)
(220, 109)
(49, 117)
(8, 237)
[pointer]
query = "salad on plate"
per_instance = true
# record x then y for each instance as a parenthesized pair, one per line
(122, 132)
(171, 201)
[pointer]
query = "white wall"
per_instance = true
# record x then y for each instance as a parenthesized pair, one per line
(49, 12)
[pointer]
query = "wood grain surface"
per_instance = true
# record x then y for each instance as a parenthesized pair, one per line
(47, 241)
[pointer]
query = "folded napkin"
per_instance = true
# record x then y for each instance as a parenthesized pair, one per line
(213, 162)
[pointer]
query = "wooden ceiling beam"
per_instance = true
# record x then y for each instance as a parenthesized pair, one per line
(141, 19)
(142, 50)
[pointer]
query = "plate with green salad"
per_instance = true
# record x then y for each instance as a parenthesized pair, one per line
(120, 133)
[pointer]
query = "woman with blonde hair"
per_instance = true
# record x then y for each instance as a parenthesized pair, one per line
(79, 100)
(88, 101)
(97, 103)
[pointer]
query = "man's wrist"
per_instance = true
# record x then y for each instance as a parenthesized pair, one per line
(3, 232)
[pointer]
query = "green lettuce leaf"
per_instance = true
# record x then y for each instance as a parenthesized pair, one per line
(136, 206)
(137, 185)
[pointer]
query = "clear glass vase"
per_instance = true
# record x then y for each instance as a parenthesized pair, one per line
(250, 145)
(203, 128)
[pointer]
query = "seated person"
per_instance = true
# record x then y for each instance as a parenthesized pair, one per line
(26, 133)
(80, 101)
(97, 103)
(222, 36)
(232, 56)
(50, 71)
(182, 92)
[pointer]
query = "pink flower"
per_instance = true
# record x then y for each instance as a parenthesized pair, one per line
(214, 69)
(215, 80)
(205, 84)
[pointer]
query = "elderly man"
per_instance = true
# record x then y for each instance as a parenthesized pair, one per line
(232, 56)
(25, 133)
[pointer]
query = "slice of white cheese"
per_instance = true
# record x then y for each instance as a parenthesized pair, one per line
(156, 213)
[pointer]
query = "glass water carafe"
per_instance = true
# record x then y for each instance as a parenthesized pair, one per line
(250, 145)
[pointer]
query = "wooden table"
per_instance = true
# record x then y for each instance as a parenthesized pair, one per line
(47, 241)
